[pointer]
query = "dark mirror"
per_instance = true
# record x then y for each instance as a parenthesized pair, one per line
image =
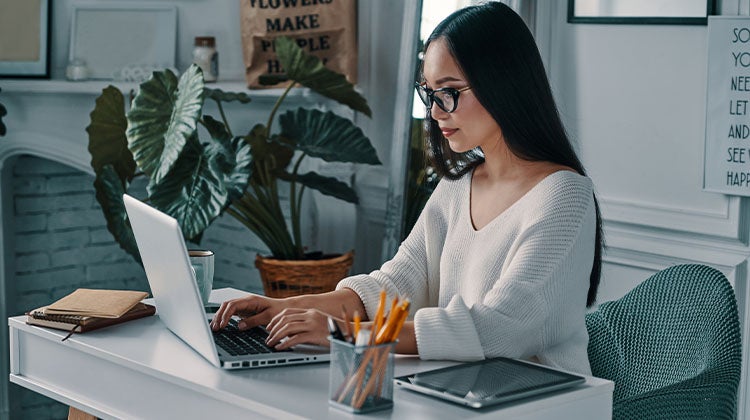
(681, 12)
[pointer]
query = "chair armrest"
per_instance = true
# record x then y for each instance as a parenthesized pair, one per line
(691, 398)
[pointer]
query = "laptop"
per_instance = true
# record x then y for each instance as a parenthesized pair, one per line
(178, 302)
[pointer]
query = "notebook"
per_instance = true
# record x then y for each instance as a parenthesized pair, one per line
(83, 323)
(489, 382)
(178, 302)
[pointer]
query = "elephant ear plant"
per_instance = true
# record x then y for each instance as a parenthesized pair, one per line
(195, 180)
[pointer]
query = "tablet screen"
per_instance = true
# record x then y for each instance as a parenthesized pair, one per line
(489, 381)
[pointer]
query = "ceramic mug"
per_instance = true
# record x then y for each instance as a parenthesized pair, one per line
(202, 262)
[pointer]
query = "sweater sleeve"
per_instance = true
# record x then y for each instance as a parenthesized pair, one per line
(539, 297)
(406, 274)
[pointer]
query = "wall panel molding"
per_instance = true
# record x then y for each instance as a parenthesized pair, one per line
(729, 222)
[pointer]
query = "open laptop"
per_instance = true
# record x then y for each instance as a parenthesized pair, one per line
(178, 302)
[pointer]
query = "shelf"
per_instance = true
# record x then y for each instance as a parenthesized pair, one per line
(94, 87)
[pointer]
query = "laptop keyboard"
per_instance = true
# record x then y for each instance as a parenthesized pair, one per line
(238, 343)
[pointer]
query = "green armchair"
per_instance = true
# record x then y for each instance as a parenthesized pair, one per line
(671, 345)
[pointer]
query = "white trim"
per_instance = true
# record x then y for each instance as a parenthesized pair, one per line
(727, 223)
(43, 146)
(729, 7)
(401, 127)
(544, 18)
(674, 245)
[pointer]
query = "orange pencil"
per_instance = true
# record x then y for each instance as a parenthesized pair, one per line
(390, 324)
(402, 319)
(357, 321)
(379, 317)
(379, 314)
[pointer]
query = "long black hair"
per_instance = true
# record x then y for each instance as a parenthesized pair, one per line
(500, 60)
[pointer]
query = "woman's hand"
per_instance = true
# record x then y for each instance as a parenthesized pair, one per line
(298, 326)
(253, 309)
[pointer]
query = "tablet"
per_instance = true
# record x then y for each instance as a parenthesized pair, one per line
(488, 382)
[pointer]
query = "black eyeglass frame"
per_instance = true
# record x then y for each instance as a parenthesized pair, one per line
(430, 96)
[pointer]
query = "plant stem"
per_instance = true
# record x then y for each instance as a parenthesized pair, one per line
(273, 222)
(224, 118)
(276, 107)
(243, 215)
(295, 208)
(297, 234)
(251, 212)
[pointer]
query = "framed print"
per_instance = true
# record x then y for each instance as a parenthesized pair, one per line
(678, 12)
(109, 37)
(24, 38)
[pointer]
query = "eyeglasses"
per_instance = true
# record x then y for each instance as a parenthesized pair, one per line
(446, 98)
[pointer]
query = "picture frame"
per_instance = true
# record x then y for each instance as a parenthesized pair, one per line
(25, 38)
(661, 12)
(108, 38)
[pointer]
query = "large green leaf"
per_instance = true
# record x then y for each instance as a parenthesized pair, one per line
(327, 136)
(326, 185)
(268, 157)
(107, 142)
(219, 95)
(163, 116)
(309, 71)
(202, 182)
(232, 157)
(109, 190)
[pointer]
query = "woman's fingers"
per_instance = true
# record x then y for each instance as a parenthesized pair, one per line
(225, 312)
(298, 326)
(280, 317)
(251, 307)
(304, 338)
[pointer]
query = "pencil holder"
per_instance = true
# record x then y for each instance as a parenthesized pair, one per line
(361, 378)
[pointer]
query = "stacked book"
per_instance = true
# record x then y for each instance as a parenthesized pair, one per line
(91, 309)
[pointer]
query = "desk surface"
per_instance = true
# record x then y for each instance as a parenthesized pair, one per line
(141, 370)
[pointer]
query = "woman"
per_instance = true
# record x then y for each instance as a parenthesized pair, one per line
(506, 254)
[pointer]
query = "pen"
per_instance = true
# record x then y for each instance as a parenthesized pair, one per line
(334, 329)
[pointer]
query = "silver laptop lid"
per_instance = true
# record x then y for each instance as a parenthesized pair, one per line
(165, 259)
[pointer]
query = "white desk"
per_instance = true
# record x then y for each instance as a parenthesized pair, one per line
(141, 370)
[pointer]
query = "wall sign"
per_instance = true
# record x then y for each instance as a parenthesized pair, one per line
(326, 29)
(726, 165)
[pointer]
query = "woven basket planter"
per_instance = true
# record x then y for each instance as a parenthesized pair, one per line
(284, 278)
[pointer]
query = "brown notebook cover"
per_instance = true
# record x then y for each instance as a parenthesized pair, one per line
(80, 324)
(101, 303)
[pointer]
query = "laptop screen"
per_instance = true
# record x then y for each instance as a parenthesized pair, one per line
(165, 259)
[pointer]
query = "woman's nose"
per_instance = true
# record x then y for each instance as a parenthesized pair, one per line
(437, 112)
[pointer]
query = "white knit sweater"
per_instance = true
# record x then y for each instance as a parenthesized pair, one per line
(515, 288)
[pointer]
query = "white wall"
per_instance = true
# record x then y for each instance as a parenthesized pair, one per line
(633, 98)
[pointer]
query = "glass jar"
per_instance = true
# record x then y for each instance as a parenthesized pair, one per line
(206, 57)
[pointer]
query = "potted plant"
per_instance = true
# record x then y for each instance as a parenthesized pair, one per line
(195, 180)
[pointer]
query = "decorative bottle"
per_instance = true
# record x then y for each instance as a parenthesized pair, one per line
(206, 57)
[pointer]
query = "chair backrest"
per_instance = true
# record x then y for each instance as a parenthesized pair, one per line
(681, 324)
